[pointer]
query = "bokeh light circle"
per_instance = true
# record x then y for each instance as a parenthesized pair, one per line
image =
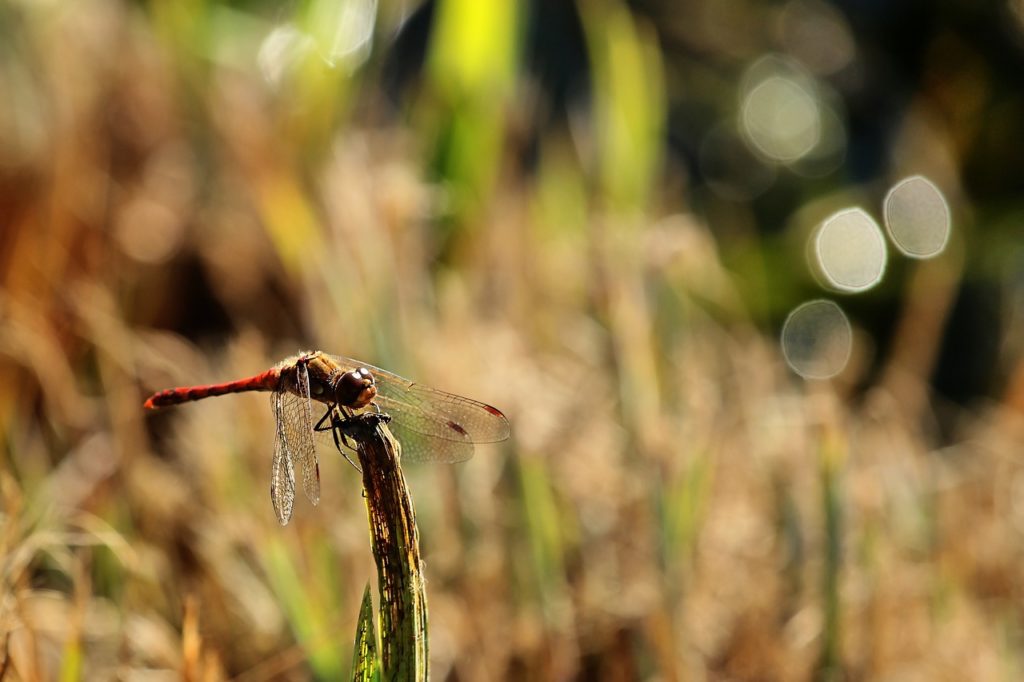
(917, 217)
(817, 340)
(781, 118)
(849, 250)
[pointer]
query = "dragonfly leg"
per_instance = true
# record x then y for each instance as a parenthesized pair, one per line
(320, 426)
(332, 427)
(338, 431)
(341, 440)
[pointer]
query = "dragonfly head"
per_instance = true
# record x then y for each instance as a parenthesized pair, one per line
(355, 389)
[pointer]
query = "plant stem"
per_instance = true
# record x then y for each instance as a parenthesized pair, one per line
(394, 539)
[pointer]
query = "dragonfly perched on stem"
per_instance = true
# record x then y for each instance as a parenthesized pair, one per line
(430, 424)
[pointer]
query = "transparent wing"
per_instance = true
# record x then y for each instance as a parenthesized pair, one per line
(434, 413)
(282, 473)
(420, 447)
(415, 447)
(298, 432)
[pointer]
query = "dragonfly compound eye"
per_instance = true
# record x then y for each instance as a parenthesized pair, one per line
(355, 388)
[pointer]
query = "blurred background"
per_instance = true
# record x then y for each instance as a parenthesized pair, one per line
(747, 277)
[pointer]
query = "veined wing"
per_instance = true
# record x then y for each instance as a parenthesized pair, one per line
(293, 419)
(434, 413)
(282, 472)
(298, 417)
(415, 447)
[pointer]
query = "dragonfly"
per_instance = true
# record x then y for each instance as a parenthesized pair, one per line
(430, 424)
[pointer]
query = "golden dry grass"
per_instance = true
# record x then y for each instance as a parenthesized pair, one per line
(673, 503)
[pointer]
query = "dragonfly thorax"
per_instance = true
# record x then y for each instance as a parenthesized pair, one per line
(330, 382)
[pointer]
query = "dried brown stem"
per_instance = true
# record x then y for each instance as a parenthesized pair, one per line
(395, 543)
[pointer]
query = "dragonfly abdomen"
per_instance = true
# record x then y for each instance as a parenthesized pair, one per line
(267, 381)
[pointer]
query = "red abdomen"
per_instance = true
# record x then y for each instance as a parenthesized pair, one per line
(267, 381)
